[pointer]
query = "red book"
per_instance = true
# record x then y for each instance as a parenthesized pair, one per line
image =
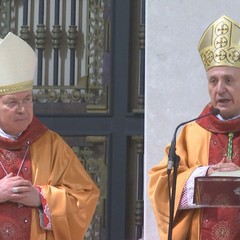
(217, 191)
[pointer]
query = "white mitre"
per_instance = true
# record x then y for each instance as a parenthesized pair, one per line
(17, 65)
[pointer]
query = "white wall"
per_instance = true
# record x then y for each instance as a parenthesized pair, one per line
(176, 85)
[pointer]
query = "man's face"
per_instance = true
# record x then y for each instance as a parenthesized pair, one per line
(224, 90)
(16, 112)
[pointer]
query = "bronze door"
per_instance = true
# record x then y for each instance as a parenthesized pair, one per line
(90, 89)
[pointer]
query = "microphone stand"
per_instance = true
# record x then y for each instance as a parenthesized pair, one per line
(176, 160)
(173, 163)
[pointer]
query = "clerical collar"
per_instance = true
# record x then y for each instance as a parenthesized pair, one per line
(9, 136)
(222, 119)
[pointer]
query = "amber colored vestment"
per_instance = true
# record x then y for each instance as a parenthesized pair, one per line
(70, 193)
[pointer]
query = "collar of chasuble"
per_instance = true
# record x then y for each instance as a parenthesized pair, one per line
(34, 131)
(213, 124)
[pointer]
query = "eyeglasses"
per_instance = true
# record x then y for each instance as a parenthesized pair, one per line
(26, 102)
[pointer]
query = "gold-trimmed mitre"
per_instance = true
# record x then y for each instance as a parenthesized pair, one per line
(220, 44)
(17, 65)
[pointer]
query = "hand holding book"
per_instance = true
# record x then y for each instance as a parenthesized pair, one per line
(224, 168)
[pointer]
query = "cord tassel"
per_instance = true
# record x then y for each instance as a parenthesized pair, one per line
(230, 145)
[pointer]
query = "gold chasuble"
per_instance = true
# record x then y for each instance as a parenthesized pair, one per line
(200, 143)
(42, 157)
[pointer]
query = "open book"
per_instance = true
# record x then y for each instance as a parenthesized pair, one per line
(227, 174)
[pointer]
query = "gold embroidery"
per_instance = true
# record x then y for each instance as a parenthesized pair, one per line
(221, 231)
(19, 87)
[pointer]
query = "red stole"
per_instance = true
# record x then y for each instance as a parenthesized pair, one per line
(15, 220)
(221, 223)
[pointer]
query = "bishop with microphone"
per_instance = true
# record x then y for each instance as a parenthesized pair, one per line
(204, 147)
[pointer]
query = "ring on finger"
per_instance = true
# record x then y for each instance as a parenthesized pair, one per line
(15, 189)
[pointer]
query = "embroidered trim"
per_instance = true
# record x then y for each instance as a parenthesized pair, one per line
(188, 190)
(222, 230)
(44, 213)
(19, 87)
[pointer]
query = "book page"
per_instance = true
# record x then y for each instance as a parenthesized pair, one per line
(227, 174)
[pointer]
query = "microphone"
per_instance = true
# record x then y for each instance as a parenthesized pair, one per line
(172, 151)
